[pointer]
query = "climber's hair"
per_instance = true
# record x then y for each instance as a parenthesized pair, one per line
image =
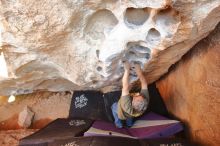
(139, 105)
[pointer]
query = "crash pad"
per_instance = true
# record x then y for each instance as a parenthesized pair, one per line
(119, 141)
(93, 104)
(59, 129)
(150, 125)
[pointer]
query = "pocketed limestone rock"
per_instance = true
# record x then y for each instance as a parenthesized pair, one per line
(65, 45)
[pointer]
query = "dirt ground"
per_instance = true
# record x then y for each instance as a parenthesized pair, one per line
(11, 137)
(46, 106)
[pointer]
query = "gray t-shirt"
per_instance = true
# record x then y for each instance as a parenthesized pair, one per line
(125, 109)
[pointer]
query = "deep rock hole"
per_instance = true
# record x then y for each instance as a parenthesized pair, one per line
(136, 16)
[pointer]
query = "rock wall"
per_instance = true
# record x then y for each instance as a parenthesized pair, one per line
(191, 90)
(64, 45)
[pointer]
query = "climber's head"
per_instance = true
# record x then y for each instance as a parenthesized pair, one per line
(139, 102)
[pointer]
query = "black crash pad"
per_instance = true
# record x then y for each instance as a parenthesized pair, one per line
(93, 105)
(118, 141)
(97, 105)
(109, 99)
(59, 129)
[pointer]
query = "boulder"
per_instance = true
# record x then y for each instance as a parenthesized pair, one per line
(71, 45)
(191, 91)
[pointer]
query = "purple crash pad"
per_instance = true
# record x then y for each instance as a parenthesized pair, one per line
(150, 125)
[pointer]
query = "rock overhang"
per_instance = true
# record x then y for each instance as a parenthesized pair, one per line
(72, 45)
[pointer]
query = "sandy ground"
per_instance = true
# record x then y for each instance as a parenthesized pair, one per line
(11, 137)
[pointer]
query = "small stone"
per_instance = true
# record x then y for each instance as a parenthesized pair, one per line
(25, 117)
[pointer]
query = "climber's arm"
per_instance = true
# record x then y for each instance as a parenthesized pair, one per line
(125, 79)
(140, 75)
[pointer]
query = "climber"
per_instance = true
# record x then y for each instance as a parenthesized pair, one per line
(129, 105)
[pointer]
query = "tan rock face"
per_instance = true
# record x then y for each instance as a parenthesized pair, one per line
(191, 90)
(68, 45)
